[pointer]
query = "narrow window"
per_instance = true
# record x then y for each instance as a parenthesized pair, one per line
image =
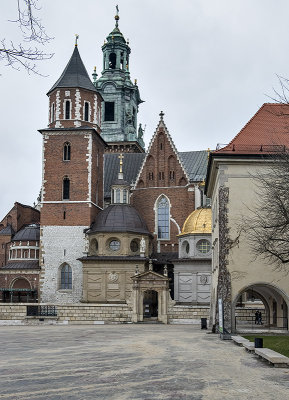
(117, 196)
(112, 61)
(86, 111)
(125, 196)
(161, 146)
(66, 277)
(66, 188)
(67, 109)
(163, 218)
(134, 117)
(66, 151)
(64, 216)
(109, 111)
(53, 112)
(172, 175)
(151, 176)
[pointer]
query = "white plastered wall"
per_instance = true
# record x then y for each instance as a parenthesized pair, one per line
(61, 244)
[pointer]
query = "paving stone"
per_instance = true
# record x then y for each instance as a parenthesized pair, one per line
(130, 362)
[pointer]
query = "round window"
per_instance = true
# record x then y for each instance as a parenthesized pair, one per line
(203, 246)
(114, 245)
(134, 246)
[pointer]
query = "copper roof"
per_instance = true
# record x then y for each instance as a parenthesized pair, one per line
(266, 132)
(120, 218)
(28, 232)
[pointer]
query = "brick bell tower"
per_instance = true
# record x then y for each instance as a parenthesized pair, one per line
(72, 180)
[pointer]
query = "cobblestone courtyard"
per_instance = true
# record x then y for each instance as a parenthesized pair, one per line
(132, 362)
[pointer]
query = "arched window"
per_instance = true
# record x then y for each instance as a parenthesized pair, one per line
(66, 188)
(66, 277)
(163, 218)
(86, 111)
(117, 196)
(67, 109)
(112, 61)
(66, 151)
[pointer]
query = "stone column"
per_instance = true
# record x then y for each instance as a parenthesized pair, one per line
(134, 303)
(85, 287)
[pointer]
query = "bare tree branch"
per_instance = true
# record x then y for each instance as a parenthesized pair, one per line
(32, 30)
(267, 225)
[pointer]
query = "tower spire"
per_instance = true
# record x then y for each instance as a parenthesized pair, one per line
(116, 16)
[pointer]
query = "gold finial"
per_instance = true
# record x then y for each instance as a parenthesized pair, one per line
(121, 157)
(127, 41)
(116, 16)
(135, 81)
(76, 38)
(209, 151)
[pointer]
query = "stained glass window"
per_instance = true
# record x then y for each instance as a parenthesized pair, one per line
(163, 218)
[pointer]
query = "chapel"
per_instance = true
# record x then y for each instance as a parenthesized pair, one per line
(119, 224)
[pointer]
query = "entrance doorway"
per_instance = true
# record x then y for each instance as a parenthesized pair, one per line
(150, 304)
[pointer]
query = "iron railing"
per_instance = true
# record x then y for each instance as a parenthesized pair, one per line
(41, 311)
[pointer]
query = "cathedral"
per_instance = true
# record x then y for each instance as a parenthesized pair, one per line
(116, 224)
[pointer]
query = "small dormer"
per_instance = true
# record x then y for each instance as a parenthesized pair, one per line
(120, 189)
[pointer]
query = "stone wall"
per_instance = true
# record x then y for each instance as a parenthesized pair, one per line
(95, 314)
(187, 314)
(61, 245)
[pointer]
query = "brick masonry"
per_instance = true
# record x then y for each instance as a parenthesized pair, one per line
(162, 173)
(77, 98)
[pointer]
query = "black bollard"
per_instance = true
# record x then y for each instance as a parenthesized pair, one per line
(258, 343)
(204, 323)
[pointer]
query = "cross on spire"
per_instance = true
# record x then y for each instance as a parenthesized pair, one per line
(116, 16)
(162, 115)
(76, 39)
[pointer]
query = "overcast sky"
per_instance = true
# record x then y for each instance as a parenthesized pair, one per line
(208, 64)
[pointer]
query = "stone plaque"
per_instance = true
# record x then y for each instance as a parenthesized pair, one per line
(112, 286)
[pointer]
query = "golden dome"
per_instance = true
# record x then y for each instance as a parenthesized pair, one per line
(199, 221)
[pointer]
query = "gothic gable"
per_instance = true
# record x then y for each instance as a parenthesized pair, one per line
(162, 166)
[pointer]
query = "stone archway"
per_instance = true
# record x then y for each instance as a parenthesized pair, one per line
(154, 282)
(275, 304)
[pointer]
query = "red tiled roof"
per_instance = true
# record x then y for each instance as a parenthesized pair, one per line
(266, 132)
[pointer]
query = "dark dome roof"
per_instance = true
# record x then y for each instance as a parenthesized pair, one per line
(29, 232)
(119, 218)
